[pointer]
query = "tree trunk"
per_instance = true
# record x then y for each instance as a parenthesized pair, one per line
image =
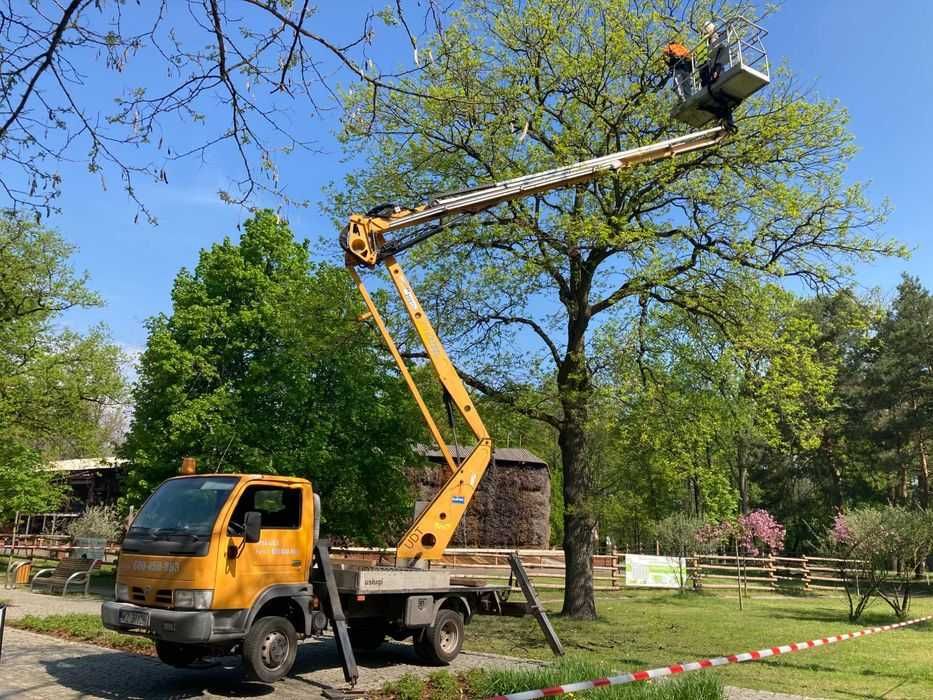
(923, 476)
(742, 477)
(579, 601)
(901, 494)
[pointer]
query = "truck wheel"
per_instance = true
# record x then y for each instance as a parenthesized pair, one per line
(367, 637)
(177, 655)
(440, 644)
(269, 649)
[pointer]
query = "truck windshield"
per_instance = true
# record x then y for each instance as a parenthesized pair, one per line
(183, 507)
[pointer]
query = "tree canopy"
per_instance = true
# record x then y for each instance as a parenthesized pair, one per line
(262, 367)
(524, 290)
(57, 386)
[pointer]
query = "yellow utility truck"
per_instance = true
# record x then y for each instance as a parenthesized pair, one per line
(216, 564)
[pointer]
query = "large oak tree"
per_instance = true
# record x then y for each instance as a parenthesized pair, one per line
(521, 291)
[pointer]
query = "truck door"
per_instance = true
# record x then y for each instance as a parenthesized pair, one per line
(282, 553)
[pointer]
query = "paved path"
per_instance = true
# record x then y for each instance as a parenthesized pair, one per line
(38, 667)
(20, 602)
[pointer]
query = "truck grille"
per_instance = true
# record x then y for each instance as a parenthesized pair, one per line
(163, 596)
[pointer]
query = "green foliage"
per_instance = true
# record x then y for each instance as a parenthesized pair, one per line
(26, 483)
(56, 386)
(96, 522)
(896, 393)
(677, 534)
(262, 367)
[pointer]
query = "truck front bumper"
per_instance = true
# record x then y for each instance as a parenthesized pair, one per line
(182, 626)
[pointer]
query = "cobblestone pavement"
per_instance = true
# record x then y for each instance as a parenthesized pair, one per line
(38, 667)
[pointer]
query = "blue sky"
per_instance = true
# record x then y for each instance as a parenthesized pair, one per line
(875, 58)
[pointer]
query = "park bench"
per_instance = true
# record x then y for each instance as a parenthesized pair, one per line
(70, 571)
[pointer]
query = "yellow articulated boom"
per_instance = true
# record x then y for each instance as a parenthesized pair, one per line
(366, 243)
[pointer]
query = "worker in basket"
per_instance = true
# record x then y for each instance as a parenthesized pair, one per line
(680, 64)
(711, 71)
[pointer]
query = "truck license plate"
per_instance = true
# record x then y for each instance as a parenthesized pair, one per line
(134, 618)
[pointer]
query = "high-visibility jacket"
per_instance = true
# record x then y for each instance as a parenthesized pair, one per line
(676, 50)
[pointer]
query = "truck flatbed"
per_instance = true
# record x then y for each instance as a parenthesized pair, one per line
(374, 580)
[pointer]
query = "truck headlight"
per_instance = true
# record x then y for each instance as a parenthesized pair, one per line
(122, 592)
(193, 600)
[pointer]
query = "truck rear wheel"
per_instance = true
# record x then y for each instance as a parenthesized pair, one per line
(440, 644)
(269, 649)
(177, 655)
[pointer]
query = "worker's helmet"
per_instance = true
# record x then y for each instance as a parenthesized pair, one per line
(709, 28)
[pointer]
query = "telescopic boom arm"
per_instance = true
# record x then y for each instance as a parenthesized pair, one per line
(366, 244)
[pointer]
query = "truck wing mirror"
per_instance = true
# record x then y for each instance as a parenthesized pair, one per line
(252, 525)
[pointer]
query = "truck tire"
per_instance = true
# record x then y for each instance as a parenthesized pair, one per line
(177, 655)
(368, 636)
(269, 649)
(440, 644)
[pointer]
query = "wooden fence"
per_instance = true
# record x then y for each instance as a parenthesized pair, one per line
(704, 572)
(544, 566)
(768, 573)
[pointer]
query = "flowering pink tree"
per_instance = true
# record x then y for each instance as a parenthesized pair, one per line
(759, 533)
(756, 533)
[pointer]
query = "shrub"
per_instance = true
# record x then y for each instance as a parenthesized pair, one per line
(882, 549)
(101, 522)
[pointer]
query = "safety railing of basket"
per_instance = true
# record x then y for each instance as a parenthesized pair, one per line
(743, 40)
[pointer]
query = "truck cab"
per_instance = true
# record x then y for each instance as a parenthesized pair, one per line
(210, 556)
(219, 564)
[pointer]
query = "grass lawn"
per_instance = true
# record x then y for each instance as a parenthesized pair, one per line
(83, 628)
(479, 684)
(645, 629)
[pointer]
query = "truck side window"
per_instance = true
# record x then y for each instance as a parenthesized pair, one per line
(280, 508)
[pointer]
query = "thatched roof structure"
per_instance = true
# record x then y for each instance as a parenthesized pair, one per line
(512, 506)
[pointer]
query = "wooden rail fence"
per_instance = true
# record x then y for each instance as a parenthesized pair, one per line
(544, 566)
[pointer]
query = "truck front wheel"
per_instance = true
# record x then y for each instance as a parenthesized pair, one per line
(440, 644)
(269, 649)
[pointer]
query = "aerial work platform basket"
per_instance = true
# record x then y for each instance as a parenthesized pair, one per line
(729, 65)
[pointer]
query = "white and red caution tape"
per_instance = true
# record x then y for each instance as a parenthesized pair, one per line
(703, 663)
